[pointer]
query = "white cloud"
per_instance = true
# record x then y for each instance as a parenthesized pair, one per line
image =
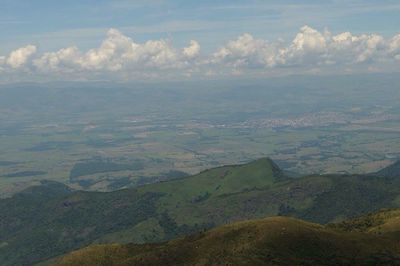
(19, 57)
(308, 46)
(348, 49)
(246, 51)
(309, 40)
(2, 62)
(118, 53)
(394, 47)
(193, 50)
(310, 51)
(64, 59)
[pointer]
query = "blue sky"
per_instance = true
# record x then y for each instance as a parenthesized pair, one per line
(52, 25)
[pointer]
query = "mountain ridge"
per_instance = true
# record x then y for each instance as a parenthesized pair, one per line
(35, 227)
(268, 241)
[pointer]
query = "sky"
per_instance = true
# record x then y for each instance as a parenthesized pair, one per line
(144, 40)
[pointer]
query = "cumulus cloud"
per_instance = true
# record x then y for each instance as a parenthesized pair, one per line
(64, 59)
(119, 53)
(308, 45)
(19, 57)
(192, 50)
(246, 51)
(2, 62)
(394, 47)
(310, 50)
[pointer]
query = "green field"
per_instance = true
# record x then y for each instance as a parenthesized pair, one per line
(314, 125)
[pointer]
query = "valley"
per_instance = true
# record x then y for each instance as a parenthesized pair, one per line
(310, 128)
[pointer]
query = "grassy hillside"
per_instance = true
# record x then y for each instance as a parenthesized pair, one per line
(49, 220)
(270, 241)
(384, 222)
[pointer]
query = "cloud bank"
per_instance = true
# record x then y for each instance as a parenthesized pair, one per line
(118, 56)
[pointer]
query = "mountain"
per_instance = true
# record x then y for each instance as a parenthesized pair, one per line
(269, 241)
(48, 220)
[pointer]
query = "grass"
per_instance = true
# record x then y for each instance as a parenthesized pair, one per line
(385, 221)
(270, 241)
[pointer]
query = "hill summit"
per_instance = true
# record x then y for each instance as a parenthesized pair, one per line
(269, 241)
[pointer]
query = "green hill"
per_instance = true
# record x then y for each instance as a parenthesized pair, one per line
(49, 220)
(384, 222)
(270, 241)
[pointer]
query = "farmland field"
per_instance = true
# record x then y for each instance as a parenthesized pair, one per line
(145, 133)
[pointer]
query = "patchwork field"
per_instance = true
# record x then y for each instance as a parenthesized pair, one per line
(322, 125)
